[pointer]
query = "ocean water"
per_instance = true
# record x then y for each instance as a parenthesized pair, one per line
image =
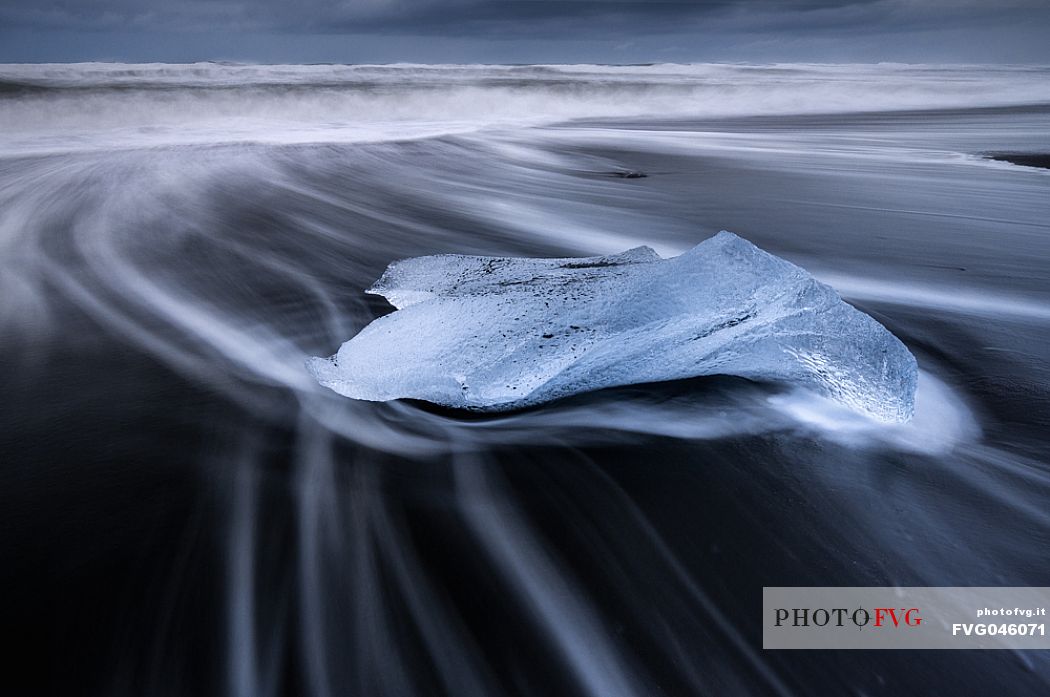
(183, 510)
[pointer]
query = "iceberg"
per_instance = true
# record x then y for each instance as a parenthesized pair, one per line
(493, 334)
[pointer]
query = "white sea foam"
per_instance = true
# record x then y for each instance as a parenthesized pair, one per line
(56, 108)
(941, 421)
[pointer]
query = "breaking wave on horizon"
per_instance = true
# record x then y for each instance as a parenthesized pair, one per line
(63, 107)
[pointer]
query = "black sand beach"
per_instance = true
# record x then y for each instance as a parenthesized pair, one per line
(184, 512)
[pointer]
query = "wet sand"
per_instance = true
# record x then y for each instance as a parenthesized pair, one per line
(187, 516)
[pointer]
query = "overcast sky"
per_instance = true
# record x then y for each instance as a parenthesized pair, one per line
(526, 31)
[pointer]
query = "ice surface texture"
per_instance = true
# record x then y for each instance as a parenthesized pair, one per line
(491, 334)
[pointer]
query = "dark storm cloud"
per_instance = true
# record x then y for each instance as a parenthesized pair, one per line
(567, 17)
(452, 17)
(522, 30)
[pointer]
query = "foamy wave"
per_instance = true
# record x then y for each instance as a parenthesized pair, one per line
(58, 107)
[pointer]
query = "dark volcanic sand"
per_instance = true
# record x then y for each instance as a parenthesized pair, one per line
(1041, 160)
(184, 516)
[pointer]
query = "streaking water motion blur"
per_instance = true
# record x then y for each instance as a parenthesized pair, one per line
(185, 511)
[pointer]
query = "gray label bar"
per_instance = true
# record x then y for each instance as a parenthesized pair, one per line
(905, 618)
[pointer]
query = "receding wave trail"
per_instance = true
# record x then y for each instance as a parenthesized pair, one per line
(109, 267)
(934, 298)
(606, 544)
